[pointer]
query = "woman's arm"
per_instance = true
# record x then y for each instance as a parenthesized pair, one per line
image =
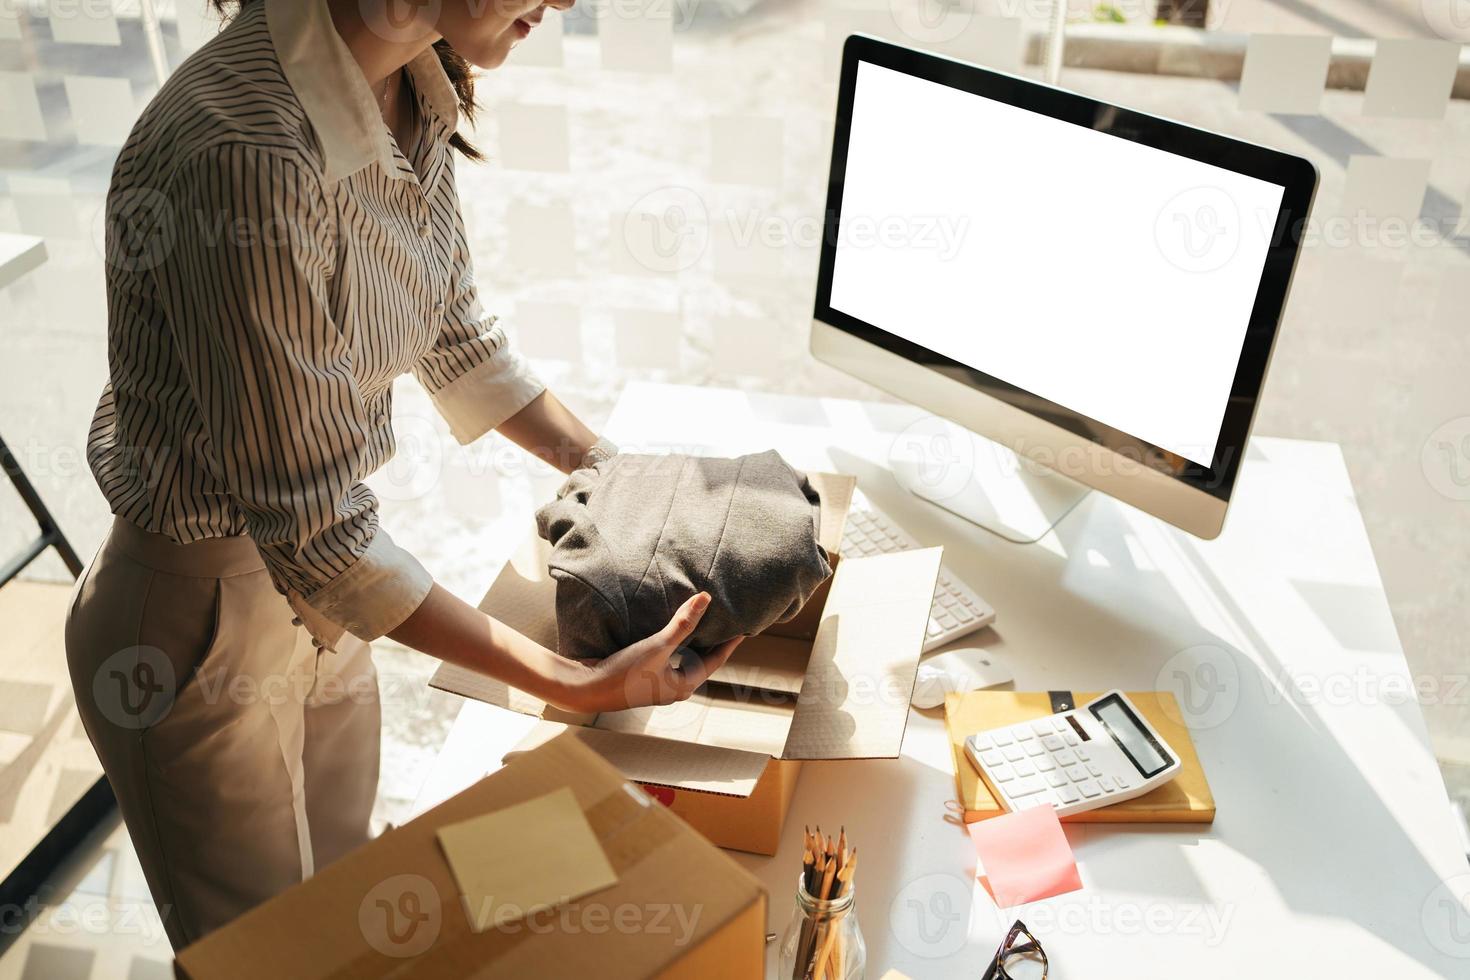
(446, 627)
(549, 430)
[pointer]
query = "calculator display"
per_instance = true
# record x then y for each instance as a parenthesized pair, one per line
(1142, 749)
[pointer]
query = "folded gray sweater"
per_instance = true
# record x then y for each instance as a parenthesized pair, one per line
(634, 536)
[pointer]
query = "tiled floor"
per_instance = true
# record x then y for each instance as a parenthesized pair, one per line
(103, 927)
(1380, 388)
(104, 921)
(46, 762)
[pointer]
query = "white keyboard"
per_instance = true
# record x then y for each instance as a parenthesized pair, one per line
(957, 609)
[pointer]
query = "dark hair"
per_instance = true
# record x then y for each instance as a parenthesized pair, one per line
(455, 66)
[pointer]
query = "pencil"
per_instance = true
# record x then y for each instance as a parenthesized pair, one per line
(813, 866)
(829, 875)
(825, 953)
(848, 871)
(829, 871)
(808, 857)
(849, 868)
(832, 949)
(843, 876)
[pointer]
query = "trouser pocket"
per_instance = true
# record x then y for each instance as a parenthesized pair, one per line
(134, 638)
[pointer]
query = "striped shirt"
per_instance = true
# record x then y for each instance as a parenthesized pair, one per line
(274, 263)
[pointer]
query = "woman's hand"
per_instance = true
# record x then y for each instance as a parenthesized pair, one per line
(644, 673)
(446, 627)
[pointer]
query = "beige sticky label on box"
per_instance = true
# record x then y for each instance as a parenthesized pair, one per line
(524, 859)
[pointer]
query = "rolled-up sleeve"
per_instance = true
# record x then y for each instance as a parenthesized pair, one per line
(244, 293)
(476, 378)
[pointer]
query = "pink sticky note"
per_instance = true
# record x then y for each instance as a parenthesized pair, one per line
(1025, 856)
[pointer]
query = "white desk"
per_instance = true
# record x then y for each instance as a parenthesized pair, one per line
(1333, 853)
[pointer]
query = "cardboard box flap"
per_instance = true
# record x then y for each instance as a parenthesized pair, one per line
(339, 924)
(472, 684)
(644, 759)
(768, 663)
(835, 491)
(748, 720)
(854, 702)
(523, 595)
(717, 715)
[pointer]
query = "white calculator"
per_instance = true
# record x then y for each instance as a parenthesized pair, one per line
(1099, 754)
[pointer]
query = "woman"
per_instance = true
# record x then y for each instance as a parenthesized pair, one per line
(284, 239)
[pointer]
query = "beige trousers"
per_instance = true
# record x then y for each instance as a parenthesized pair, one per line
(242, 756)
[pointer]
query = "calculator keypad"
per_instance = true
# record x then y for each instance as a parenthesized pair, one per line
(1044, 762)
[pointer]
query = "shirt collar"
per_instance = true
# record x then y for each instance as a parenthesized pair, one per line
(334, 94)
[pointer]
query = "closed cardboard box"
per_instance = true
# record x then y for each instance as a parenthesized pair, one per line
(833, 683)
(679, 908)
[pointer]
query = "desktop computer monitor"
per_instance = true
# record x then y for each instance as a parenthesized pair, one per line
(1091, 290)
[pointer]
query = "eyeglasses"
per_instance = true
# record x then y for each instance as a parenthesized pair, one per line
(1013, 952)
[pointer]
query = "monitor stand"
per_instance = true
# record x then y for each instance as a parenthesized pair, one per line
(982, 481)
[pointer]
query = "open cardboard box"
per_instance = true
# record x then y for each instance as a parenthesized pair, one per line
(832, 683)
(679, 910)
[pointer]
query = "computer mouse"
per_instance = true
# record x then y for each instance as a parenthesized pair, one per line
(954, 671)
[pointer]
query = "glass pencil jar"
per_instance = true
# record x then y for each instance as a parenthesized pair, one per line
(823, 940)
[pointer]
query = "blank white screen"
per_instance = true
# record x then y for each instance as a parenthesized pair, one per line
(1049, 255)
